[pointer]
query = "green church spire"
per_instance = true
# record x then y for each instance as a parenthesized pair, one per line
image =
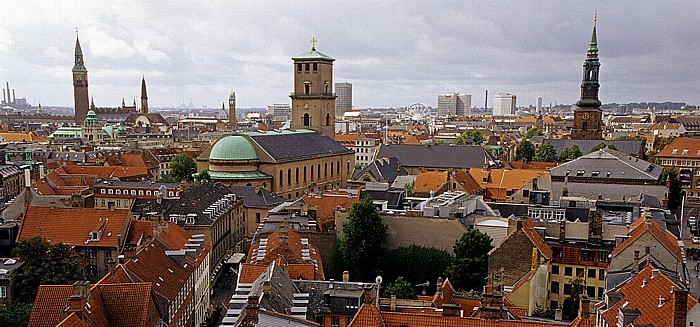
(79, 63)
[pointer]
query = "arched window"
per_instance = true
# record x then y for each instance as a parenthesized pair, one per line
(331, 169)
(327, 88)
(585, 126)
(325, 169)
(312, 172)
(289, 176)
(328, 119)
(306, 120)
(304, 173)
(318, 172)
(337, 167)
(348, 167)
(297, 174)
(281, 177)
(307, 88)
(264, 185)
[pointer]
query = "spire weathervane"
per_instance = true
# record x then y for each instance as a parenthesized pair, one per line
(313, 43)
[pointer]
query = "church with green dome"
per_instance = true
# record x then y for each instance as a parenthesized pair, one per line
(286, 162)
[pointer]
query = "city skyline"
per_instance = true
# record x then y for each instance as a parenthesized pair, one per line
(203, 51)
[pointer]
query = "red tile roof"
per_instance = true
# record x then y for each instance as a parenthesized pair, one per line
(326, 204)
(51, 224)
(49, 304)
(646, 298)
(680, 144)
(534, 236)
(430, 181)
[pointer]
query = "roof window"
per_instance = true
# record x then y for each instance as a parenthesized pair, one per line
(685, 152)
(580, 172)
(674, 152)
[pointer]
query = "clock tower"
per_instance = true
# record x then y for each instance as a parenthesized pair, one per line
(80, 86)
(588, 117)
(313, 100)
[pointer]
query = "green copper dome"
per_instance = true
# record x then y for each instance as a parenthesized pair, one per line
(233, 147)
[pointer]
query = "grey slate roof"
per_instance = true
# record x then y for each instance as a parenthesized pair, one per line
(626, 147)
(317, 289)
(609, 191)
(286, 146)
(142, 206)
(619, 165)
(383, 169)
(261, 199)
(437, 156)
(197, 199)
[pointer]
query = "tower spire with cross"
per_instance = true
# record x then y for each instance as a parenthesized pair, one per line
(313, 44)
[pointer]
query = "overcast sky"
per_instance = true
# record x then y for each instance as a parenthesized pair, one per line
(394, 53)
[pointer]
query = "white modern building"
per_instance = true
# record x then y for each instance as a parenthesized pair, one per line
(504, 104)
(280, 111)
(454, 104)
(343, 100)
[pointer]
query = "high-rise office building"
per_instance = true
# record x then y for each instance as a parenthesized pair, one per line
(454, 104)
(343, 100)
(279, 111)
(538, 108)
(504, 104)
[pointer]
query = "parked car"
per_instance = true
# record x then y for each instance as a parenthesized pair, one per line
(696, 240)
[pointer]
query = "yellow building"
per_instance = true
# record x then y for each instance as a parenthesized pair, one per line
(313, 100)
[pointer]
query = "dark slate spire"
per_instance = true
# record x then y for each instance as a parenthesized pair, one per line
(591, 67)
(79, 64)
(143, 88)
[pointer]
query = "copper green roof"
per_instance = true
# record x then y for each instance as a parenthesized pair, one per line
(79, 64)
(232, 147)
(237, 175)
(313, 54)
(232, 96)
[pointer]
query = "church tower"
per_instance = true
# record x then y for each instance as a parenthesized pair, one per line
(80, 86)
(144, 96)
(313, 101)
(232, 111)
(588, 117)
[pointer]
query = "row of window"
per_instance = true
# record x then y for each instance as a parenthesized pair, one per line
(681, 163)
(134, 192)
(335, 321)
(117, 203)
(569, 271)
(307, 67)
(303, 176)
(590, 291)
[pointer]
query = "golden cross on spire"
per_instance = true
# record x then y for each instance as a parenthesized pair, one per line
(313, 43)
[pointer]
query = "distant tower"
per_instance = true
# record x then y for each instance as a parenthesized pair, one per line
(80, 86)
(538, 107)
(144, 96)
(232, 111)
(588, 118)
(343, 102)
(313, 101)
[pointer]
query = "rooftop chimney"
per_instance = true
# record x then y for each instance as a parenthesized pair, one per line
(451, 310)
(368, 294)
(346, 276)
(680, 308)
(79, 298)
(635, 263)
(585, 309)
(250, 317)
(392, 304)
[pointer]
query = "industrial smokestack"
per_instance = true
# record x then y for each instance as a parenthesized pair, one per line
(3, 96)
(14, 98)
(8, 92)
(486, 100)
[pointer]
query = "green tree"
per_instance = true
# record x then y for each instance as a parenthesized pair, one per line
(545, 153)
(432, 264)
(334, 269)
(401, 288)
(601, 146)
(541, 312)
(366, 235)
(534, 131)
(675, 192)
(202, 176)
(525, 151)
(44, 264)
(15, 314)
(473, 134)
(182, 167)
(469, 269)
(571, 304)
(571, 153)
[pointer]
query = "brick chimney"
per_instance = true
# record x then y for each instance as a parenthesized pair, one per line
(80, 297)
(585, 307)
(635, 263)
(368, 294)
(250, 317)
(680, 308)
(451, 310)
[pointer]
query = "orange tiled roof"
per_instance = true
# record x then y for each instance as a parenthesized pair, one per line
(430, 181)
(498, 182)
(467, 182)
(680, 144)
(49, 304)
(21, 137)
(286, 251)
(536, 239)
(646, 299)
(668, 240)
(526, 119)
(50, 223)
(327, 203)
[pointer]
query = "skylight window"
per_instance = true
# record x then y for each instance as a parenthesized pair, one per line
(580, 172)
(685, 152)
(595, 173)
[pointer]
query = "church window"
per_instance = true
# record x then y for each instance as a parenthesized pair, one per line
(304, 173)
(319, 171)
(315, 66)
(299, 68)
(281, 177)
(289, 176)
(307, 88)
(312, 172)
(337, 167)
(307, 120)
(328, 119)
(306, 67)
(297, 175)
(331, 169)
(327, 88)
(325, 169)
(585, 126)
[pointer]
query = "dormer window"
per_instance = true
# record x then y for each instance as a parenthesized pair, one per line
(580, 173)
(685, 152)
(674, 152)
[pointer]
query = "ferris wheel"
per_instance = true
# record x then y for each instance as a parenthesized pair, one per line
(417, 112)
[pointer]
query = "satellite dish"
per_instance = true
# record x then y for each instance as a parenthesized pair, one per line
(378, 280)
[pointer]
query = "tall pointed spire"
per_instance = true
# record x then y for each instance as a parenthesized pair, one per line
(144, 96)
(593, 46)
(79, 65)
(588, 118)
